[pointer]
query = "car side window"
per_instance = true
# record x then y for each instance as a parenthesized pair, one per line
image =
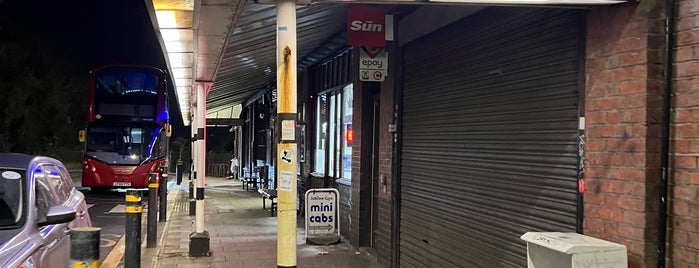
(11, 203)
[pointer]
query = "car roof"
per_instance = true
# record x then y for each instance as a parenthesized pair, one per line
(15, 160)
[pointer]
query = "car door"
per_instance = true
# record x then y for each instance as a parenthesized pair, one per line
(55, 246)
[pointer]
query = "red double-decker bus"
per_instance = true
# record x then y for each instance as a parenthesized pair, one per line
(127, 126)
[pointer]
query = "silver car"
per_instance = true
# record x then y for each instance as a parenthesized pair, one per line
(38, 206)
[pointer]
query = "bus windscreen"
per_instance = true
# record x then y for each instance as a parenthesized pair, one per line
(124, 145)
(126, 92)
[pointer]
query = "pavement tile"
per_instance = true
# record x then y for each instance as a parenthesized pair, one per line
(241, 234)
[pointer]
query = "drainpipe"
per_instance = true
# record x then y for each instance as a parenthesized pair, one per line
(665, 143)
(396, 61)
(395, 186)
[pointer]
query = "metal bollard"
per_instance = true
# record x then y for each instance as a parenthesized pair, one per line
(85, 247)
(178, 171)
(163, 194)
(132, 247)
(192, 201)
(151, 225)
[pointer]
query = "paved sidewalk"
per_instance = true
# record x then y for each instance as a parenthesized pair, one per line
(242, 234)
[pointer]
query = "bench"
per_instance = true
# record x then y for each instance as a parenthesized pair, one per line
(270, 194)
(247, 181)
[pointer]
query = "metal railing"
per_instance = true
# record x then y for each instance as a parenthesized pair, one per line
(217, 170)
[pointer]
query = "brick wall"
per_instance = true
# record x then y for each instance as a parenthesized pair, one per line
(360, 207)
(386, 142)
(623, 114)
(361, 158)
(683, 238)
(357, 168)
(345, 207)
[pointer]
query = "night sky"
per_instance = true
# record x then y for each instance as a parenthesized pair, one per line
(86, 33)
(82, 34)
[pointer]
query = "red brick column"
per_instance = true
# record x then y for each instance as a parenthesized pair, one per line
(623, 110)
(683, 248)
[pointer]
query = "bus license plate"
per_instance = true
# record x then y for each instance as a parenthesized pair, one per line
(121, 183)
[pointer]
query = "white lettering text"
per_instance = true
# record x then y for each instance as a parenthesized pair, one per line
(366, 26)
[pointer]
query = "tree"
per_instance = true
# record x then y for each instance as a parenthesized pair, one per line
(182, 147)
(43, 107)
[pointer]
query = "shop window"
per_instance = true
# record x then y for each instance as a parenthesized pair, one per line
(321, 134)
(332, 153)
(334, 134)
(348, 133)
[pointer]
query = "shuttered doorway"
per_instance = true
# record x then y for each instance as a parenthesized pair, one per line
(489, 137)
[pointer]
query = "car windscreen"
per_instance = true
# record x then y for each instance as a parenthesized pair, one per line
(11, 200)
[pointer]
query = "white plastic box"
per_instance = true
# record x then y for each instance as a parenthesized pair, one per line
(572, 250)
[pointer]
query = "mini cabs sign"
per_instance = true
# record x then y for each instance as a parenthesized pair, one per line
(322, 216)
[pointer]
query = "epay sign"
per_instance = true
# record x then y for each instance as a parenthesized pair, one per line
(366, 26)
(373, 64)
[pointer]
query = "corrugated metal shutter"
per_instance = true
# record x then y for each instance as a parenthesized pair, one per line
(489, 131)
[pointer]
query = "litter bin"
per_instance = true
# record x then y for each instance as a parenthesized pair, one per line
(572, 250)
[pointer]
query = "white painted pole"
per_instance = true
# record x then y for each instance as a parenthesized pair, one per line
(193, 152)
(286, 124)
(199, 245)
(201, 155)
